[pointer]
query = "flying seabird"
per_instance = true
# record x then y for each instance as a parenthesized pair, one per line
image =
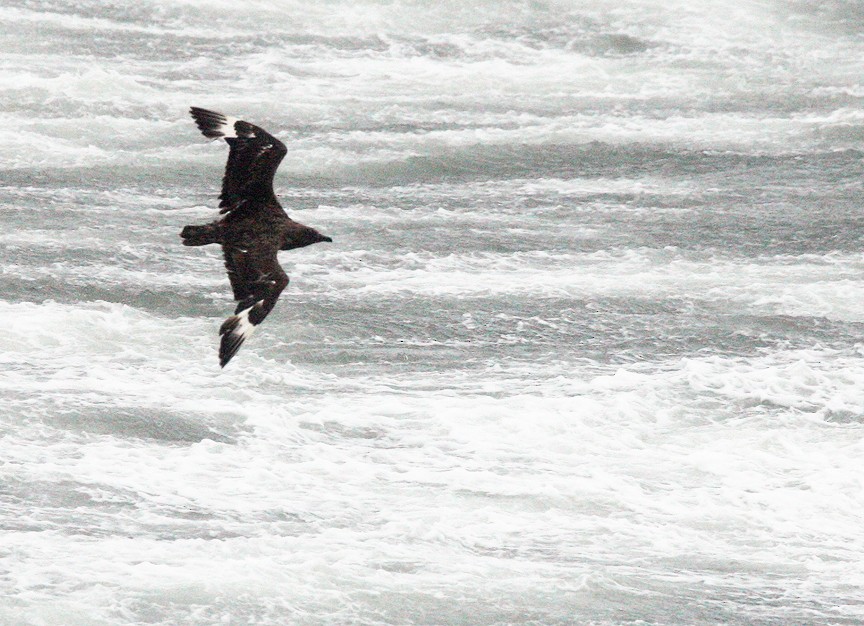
(254, 227)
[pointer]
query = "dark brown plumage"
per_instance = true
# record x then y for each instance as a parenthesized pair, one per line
(254, 227)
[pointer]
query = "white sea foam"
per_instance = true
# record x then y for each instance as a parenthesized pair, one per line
(611, 470)
(807, 286)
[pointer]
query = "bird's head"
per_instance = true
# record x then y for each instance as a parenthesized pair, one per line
(305, 237)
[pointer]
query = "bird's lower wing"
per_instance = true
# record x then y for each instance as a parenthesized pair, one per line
(257, 283)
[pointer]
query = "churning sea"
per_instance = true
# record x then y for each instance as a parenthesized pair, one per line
(588, 347)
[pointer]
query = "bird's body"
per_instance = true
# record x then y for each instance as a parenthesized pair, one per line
(254, 228)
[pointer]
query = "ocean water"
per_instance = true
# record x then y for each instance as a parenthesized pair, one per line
(588, 347)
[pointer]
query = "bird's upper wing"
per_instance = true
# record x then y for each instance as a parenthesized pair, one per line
(252, 161)
(257, 280)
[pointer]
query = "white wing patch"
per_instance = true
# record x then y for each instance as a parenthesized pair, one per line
(228, 128)
(214, 125)
(235, 330)
(244, 327)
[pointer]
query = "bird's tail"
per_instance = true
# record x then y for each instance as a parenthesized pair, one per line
(201, 235)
